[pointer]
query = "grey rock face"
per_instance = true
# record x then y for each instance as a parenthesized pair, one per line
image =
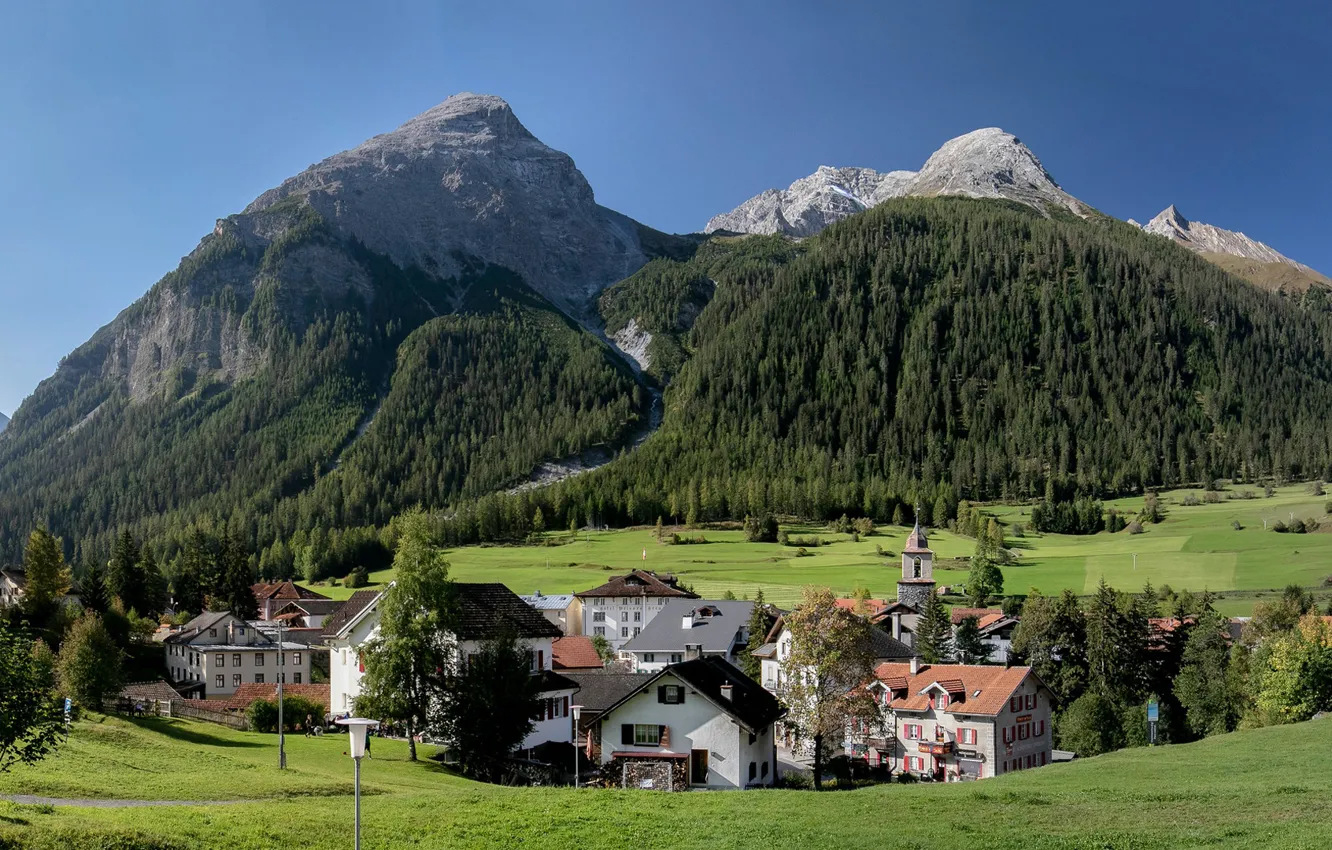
(467, 176)
(990, 163)
(814, 202)
(1206, 238)
(4, 423)
(986, 163)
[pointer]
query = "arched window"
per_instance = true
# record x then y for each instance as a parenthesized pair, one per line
(915, 568)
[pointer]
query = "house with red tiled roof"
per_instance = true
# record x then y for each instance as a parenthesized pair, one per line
(621, 608)
(575, 654)
(248, 693)
(952, 722)
(996, 629)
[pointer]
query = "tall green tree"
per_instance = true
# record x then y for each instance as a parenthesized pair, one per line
(934, 632)
(44, 568)
(985, 579)
(1116, 646)
(760, 623)
(124, 574)
(154, 585)
(408, 664)
(32, 724)
(90, 664)
(489, 705)
(831, 656)
(235, 592)
(1294, 676)
(1051, 637)
(194, 575)
(93, 588)
(968, 646)
(1205, 686)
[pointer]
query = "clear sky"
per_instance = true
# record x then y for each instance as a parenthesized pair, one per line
(126, 129)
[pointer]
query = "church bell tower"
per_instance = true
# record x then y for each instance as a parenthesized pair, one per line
(917, 583)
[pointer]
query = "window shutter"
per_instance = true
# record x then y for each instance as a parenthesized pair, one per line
(541, 659)
(627, 733)
(661, 693)
(681, 690)
(566, 707)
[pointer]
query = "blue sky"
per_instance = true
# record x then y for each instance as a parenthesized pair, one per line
(126, 129)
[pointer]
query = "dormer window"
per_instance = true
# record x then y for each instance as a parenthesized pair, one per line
(940, 702)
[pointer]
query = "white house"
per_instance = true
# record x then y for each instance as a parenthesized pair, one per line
(482, 609)
(951, 722)
(995, 628)
(697, 724)
(776, 650)
(12, 583)
(217, 652)
(685, 629)
(621, 608)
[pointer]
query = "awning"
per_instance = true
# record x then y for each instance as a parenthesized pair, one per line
(640, 755)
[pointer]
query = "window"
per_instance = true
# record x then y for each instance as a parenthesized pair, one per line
(598, 616)
(295, 678)
(915, 568)
(240, 630)
(1031, 701)
(753, 771)
(913, 732)
(258, 678)
(1042, 759)
(624, 631)
(671, 694)
(676, 658)
(220, 681)
(258, 659)
(212, 632)
(235, 659)
(296, 658)
(941, 702)
(1015, 703)
(765, 770)
(636, 631)
(638, 616)
(647, 735)
(235, 680)
(1024, 731)
(221, 660)
(599, 630)
(649, 657)
(967, 736)
(1040, 728)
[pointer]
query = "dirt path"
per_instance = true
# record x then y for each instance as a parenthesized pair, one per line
(27, 800)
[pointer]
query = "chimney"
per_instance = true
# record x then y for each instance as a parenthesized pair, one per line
(536, 594)
(726, 691)
(915, 664)
(897, 625)
(693, 650)
(687, 621)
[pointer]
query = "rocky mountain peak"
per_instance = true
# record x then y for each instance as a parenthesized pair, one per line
(986, 163)
(991, 163)
(466, 177)
(1207, 238)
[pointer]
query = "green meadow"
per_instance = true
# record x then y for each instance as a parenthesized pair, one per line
(1194, 548)
(1267, 787)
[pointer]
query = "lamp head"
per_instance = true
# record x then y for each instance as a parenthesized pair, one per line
(576, 711)
(358, 728)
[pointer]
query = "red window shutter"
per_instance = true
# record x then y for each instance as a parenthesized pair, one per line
(541, 659)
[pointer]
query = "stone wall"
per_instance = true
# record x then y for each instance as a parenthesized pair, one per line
(647, 773)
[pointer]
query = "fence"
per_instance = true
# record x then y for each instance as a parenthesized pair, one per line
(187, 708)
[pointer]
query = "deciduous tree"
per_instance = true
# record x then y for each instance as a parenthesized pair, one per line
(44, 567)
(489, 705)
(90, 662)
(31, 722)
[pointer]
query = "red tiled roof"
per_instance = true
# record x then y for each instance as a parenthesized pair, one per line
(251, 691)
(575, 652)
(284, 590)
(981, 614)
(640, 583)
(874, 606)
(995, 685)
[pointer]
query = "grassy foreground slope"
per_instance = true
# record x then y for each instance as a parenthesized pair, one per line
(1265, 787)
(1195, 548)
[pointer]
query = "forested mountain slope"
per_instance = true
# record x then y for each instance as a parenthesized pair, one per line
(977, 347)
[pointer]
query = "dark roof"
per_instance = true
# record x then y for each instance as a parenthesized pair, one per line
(640, 583)
(15, 575)
(483, 608)
(716, 625)
(599, 691)
(157, 689)
(887, 646)
(749, 704)
(284, 590)
(358, 602)
(316, 607)
(552, 681)
(200, 624)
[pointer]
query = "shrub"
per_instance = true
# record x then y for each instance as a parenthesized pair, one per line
(359, 577)
(1015, 530)
(1269, 491)
(802, 552)
(795, 781)
(782, 538)
(906, 778)
(1134, 528)
(864, 526)
(1114, 522)
(263, 714)
(1083, 516)
(1212, 497)
(841, 525)
(1316, 488)
(804, 542)
(1191, 501)
(1235, 524)
(761, 529)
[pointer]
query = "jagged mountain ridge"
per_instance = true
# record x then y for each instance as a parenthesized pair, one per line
(986, 163)
(1267, 267)
(4, 423)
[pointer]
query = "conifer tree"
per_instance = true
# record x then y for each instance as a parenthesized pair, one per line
(934, 632)
(760, 622)
(44, 568)
(124, 575)
(93, 588)
(236, 590)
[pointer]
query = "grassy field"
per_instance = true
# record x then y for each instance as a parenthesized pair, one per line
(1195, 548)
(1267, 787)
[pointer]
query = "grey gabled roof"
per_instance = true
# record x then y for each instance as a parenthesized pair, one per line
(599, 691)
(542, 602)
(715, 633)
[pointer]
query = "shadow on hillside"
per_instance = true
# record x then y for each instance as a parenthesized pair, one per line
(191, 736)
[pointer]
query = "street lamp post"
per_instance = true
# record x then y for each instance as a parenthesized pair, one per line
(358, 728)
(282, 674)
(576, 711)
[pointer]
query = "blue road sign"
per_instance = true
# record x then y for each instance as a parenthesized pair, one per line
(1153, 711)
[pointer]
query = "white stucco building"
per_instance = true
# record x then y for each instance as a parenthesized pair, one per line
(621, 608)
(217, 652)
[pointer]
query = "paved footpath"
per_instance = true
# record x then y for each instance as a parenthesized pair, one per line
(27, 800)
